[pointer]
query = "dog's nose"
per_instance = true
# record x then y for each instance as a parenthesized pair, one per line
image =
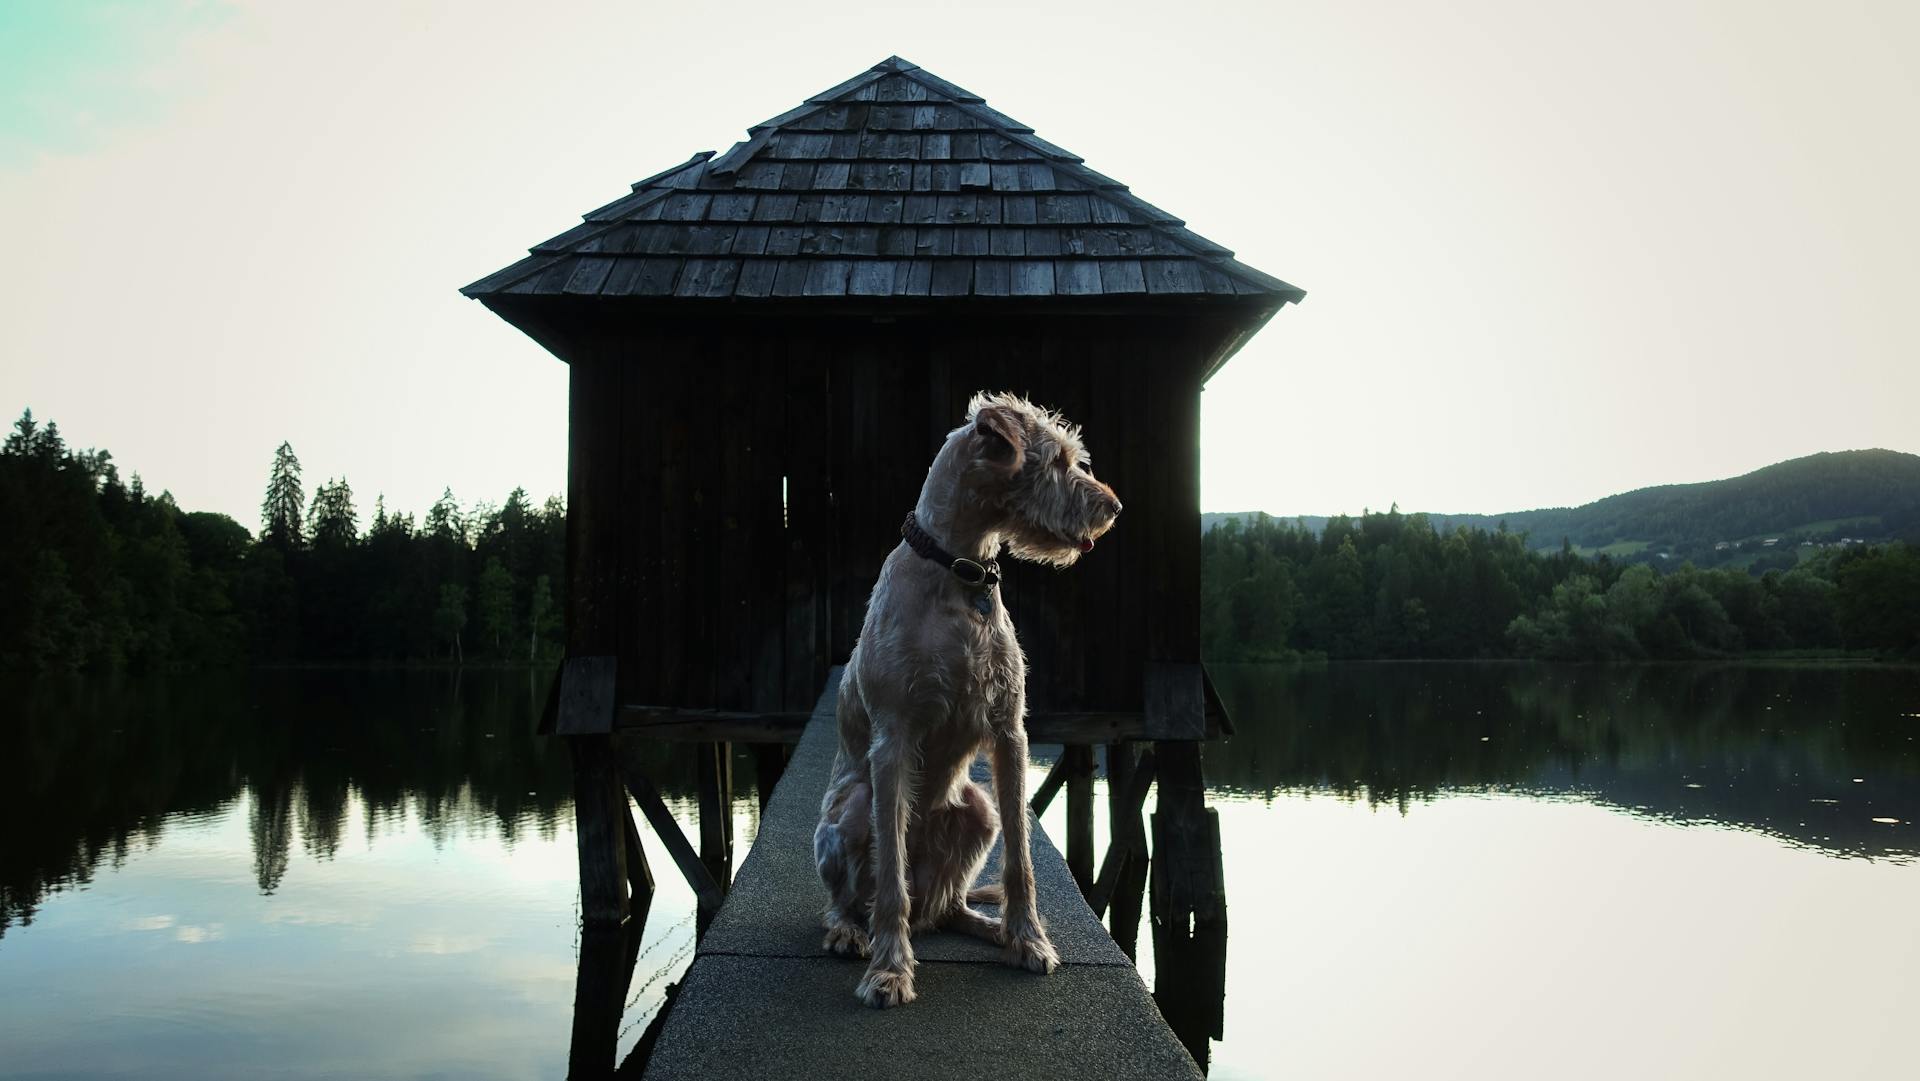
(1113, 503)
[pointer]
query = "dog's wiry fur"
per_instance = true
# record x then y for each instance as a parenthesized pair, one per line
(903, 830)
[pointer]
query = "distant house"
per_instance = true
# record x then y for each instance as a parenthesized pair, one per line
(1770, 542)
(1722, 546)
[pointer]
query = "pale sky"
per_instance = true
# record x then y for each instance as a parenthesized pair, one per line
(1552, 250)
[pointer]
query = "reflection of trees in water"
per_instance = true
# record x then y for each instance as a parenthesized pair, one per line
(1762, 744)
(271, 826)
(92, 770)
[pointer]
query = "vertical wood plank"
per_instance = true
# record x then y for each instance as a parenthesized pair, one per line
(768, 453)
(731, 499)
(639, 583)
(810, 526)
(675, 499)
(593, 554)
(714, 764)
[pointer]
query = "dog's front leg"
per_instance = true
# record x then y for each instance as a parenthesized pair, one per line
(889, 978)
(1024, 936)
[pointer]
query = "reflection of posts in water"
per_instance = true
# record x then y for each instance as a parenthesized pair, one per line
(1189, 903)
(607, 956)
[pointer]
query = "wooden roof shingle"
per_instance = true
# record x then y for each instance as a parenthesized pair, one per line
(893, 183)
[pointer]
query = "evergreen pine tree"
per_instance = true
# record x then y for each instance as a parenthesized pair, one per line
(280, 511)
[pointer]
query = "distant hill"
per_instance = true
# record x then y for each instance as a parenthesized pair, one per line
(1869, 495)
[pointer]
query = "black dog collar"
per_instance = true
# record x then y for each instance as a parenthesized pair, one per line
(972, 573)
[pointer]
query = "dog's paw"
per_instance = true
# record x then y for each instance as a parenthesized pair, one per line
(881, 988)
(1030, 949)
(846, 940)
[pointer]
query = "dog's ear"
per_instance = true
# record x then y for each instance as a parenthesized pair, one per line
(1003, 443)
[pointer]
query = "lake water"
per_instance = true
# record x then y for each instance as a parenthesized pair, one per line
(1455, 870)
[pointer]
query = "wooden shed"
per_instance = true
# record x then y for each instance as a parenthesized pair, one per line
(766, 347)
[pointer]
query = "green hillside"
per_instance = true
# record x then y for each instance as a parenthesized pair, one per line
(1868, 495)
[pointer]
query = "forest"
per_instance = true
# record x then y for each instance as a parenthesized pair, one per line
(1393, 586)
(98, 573)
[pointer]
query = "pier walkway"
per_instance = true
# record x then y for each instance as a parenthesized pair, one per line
(761, 999)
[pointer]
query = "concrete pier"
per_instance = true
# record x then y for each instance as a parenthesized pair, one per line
(762, 1000)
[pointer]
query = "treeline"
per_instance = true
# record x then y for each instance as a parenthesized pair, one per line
(98, 573)
(1391, 585)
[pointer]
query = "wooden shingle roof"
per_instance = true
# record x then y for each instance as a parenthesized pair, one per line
(894, 183)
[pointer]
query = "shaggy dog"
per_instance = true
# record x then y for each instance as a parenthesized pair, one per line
(938, 676)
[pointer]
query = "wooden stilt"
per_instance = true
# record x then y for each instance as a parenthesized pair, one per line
(715, 768)
(1080, 816)
(1127, 785)
(1188, 883)
(639, 875)
(769, 763)
(598, 809)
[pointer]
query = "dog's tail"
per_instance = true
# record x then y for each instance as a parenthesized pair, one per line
(991, 894)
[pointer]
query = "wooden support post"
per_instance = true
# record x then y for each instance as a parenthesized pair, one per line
(598, 809)
(1127, 785)
(1188, 883)
(639, 875)
(1080, 816)
(769, 765)
(668, 830)
(715, 768)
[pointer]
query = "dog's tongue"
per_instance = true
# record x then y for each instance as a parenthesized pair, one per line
(1087, 545)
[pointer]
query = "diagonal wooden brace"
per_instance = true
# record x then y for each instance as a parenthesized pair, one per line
(668, 830)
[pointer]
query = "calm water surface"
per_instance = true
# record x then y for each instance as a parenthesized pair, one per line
(1455, 870)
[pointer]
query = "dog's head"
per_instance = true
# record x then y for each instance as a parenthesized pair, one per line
(1028, 466)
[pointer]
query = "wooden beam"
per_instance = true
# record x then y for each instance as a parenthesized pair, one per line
(1086, 727)
(597, 811)
(1188, 882)
(1056, 776)
(679, 725)
(668, 830)
(714, 766)
(586, 696)
(1176, 702)
(1080, 816)
(1128, 837)
(769, 765)
(639, 875)
(675, 724)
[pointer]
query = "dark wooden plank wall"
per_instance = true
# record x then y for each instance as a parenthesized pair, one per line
(713, 593)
